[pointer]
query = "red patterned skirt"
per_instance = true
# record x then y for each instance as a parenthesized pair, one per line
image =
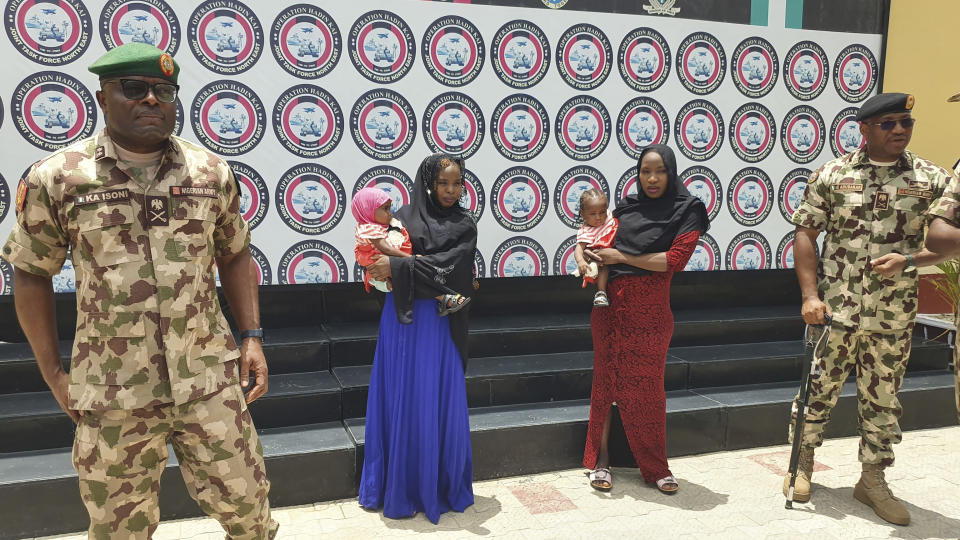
(630, 341)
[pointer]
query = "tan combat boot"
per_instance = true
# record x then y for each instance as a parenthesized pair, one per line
(872, 490)
(801, 488)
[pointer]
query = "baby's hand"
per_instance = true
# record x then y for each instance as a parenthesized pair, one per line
(390, 284)
(583, 268)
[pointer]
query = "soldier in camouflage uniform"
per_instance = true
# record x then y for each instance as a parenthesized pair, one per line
(872, 204)
(944, 237)
(146, 215)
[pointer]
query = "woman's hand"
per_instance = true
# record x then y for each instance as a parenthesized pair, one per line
(605, 256)
(380, 268)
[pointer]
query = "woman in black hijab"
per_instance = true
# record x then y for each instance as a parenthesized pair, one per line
(417, 455)
(659, 229)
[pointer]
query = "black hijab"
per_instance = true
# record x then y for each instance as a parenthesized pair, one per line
(650, 225)
(445, 240)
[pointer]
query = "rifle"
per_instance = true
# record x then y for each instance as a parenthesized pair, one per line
(815, 339)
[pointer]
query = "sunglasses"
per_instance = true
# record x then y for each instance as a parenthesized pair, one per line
(887, 125)
(135, 89)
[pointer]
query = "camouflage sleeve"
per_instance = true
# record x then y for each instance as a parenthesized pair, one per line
(232, 234)
(814, 211)
(37, 244)
(947, 206)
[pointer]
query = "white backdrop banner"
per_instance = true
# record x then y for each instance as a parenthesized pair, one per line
(311, 102)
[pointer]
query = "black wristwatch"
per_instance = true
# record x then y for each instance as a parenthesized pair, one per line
(256, 333)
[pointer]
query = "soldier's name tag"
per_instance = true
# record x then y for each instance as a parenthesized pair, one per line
(882, 201)
(847, 187)
(191, 191)
(97, 197)
(157, 211)
(922, 193)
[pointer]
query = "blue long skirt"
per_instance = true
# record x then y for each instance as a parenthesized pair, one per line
(417, 455)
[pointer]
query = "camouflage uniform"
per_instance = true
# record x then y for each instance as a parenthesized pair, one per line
(867, 211)
(153, 357)
(948, 208)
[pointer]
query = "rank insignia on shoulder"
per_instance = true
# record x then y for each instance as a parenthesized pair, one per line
(21, 196)
(157, 212)
(191, 191)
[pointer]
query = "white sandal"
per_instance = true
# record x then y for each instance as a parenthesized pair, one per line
(668, 485)
(599, 476)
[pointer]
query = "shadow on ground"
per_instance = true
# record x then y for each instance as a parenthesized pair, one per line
(470, 520)
(690, 496)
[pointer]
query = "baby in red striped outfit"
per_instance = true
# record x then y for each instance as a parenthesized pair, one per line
(598, 231)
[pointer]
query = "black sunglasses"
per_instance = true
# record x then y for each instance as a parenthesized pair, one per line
(136, 89)
(887, 125)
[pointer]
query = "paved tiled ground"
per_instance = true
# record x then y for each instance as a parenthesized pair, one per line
(725, 495)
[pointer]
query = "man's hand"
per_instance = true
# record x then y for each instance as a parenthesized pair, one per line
(813, 309)
(890, 264)
(252, 359)
(59, 383)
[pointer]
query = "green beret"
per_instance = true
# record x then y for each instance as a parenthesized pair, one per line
(885, 104)
(136, 59)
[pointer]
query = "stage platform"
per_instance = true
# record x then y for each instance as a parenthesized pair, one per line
(732, 369)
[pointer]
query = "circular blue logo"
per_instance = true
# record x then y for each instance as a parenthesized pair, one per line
(307, 121)
(748, 250)
(519, 198)
(802, 134)
(383, 124)
(750, 196)
(584, 56)
(755, 67)
(845, 136)
(583, 128)
(51, 110)
(453, 124)
(753, 132)
(520, 54)
(519, 257)
(701, 63)
(704, 184)
(642, 122)
(225, 36)
(644, 59)
(806, 70)
(228, 117)
(705, 257)
(699, 130)
(520, 127)
(305, 41)
(452, 51)
(382, 46)
(310, 199)
(390, 179)
(855, 73)
(254, 195)
(790, 195)
(566, 194)
(140, 21)
(311, 261)
(52, 33)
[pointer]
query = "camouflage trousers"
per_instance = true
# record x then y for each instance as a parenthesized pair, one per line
(120, 455)
(880, 360)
